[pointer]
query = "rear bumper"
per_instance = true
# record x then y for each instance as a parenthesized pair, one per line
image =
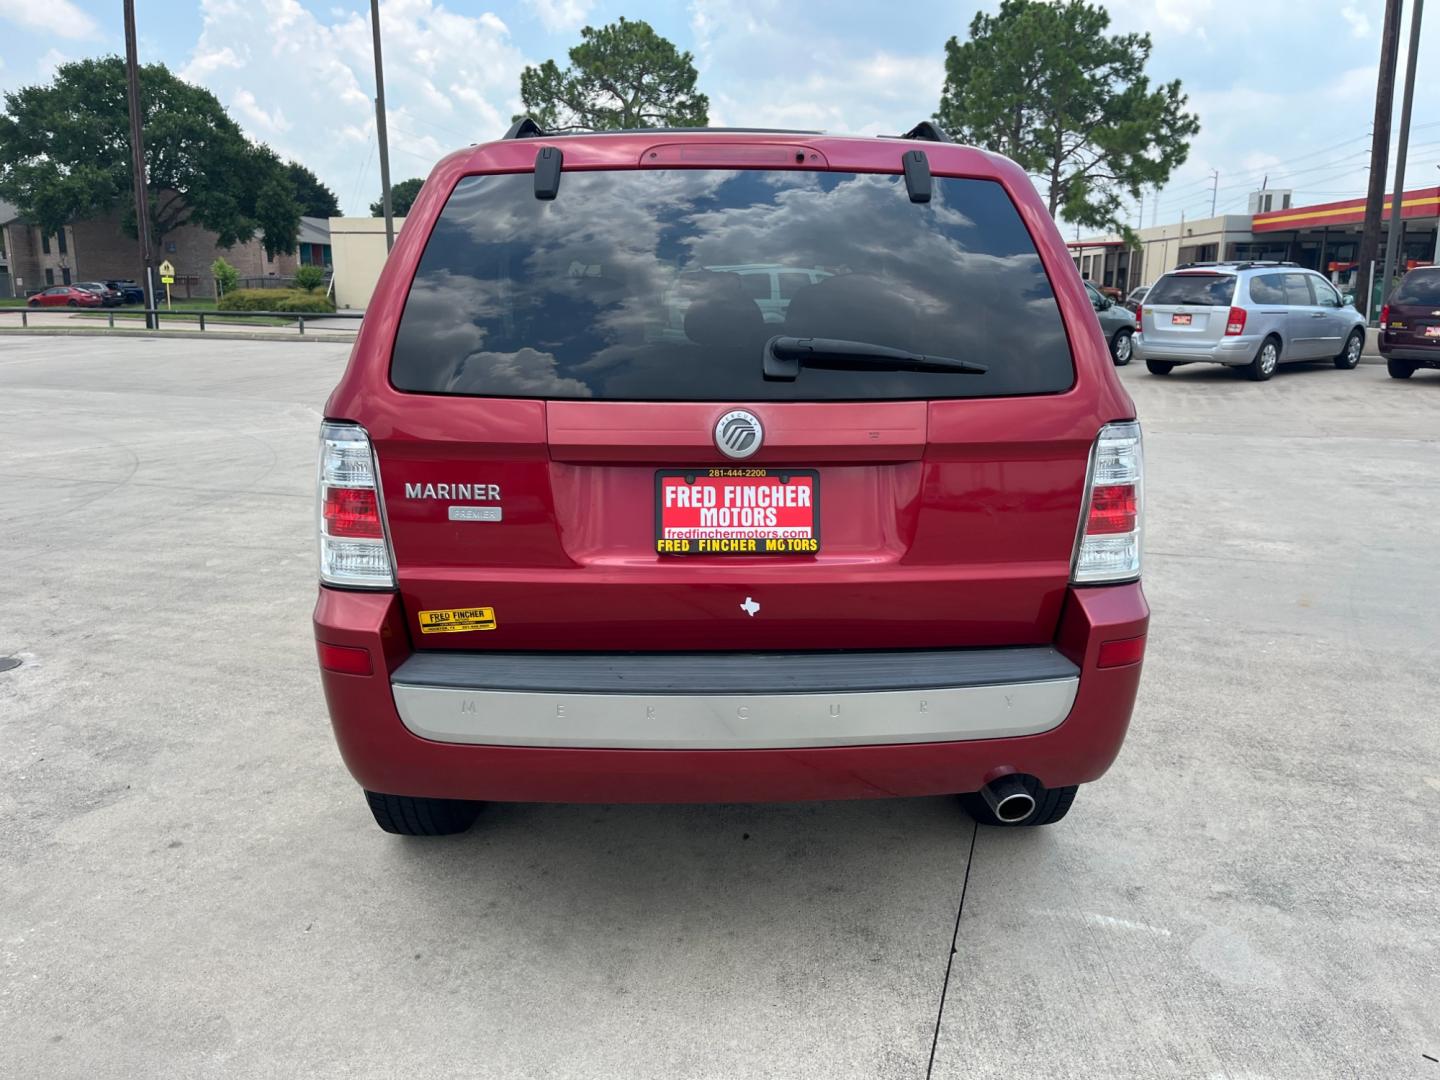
(733, 701)
(1231, 351)
(1063, 723)
(1429, 357)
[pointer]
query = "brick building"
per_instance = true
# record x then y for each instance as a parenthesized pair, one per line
(106, 251)
(30, 261)
(97, 249)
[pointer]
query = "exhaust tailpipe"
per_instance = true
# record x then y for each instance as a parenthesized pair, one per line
(1008, 799)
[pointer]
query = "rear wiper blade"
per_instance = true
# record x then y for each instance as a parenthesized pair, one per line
(785, 356)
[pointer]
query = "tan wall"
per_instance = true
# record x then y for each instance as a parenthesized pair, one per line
(357, 247)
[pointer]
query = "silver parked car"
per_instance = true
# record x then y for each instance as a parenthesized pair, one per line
(1117, 321)
(1249, 315)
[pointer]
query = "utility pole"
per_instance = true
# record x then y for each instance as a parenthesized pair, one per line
(1394, 241)
(380, 127)
(1379, 152)
(1214, 189)
(137, 165)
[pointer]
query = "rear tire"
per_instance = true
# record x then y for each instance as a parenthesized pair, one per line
(1349, 357)
(407, 815)
(1400, 369)
(1159, 367)
(71, 303)
(1267, 359)
(1051, 804)
(1121, 347)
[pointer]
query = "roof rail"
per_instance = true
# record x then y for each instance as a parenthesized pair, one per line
(925, 131)
(1238, 264)
(527, 128)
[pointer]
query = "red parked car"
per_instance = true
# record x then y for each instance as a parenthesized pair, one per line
(601, 523)
(66, 296)
(1410, 323)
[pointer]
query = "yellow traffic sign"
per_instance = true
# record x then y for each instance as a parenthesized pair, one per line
(167, 271)
(167, 279)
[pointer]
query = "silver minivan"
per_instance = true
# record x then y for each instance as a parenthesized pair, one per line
(1250, 315)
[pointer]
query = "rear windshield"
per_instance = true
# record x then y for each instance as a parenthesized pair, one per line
(1418, 287)
(664, 285)
(1193, 290)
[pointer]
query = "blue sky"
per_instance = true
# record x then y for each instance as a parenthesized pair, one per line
(1278, 92)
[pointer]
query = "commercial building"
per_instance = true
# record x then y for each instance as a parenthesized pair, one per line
(1323, 237)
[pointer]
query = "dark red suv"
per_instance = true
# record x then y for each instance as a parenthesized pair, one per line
(1410, 323)
(720, 465)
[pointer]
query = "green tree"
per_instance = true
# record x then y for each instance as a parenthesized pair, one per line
(623, 75)
(309, 277)
(1042, 83)
(226, 276)
(402, 197)
(65, 154)
(315, 199)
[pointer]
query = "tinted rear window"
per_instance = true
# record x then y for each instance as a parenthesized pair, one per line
(1418, 287)
(1193, 290)
(656, 285)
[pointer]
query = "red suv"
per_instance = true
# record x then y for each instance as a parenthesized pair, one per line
(679, 466)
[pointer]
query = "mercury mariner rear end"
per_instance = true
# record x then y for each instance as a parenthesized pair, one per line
(728, 466)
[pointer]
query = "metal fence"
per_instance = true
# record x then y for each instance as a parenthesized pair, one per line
(156, 317)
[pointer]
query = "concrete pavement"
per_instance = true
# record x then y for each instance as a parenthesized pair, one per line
(190, 885)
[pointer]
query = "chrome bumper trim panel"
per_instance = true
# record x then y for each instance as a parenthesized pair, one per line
(649, 721)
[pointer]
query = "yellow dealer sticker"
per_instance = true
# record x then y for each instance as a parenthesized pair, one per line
(458, 621)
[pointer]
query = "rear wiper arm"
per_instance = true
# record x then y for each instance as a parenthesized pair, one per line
(784, 356)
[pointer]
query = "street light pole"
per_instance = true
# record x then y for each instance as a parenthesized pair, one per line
(1393, 241)
(137, 164)
(380, 128)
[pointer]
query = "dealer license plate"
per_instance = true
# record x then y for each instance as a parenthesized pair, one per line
(737, 511)
(1180, 320)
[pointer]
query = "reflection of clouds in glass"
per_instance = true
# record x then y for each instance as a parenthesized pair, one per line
(523, 373)
(591, 288)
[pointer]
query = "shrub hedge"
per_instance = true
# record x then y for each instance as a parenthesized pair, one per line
(288, 300)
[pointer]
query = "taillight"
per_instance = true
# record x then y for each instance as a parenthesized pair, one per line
(353, 551)
(1140, 317)
(1108, 546)
(1384, 316)
(1235, 324)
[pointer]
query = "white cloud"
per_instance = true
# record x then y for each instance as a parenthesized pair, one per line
(304, 82)
(59, 17)
(746, 59)
(1184, 16)
(51, 60)
(560, 15)
(1358, 20)
(204, 63)
(253, 116)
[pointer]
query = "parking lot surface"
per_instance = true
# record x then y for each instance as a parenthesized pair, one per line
(191, 886)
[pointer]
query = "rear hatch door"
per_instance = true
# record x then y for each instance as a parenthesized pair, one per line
(564, 369)
(1188, 309)
(1415, 310)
